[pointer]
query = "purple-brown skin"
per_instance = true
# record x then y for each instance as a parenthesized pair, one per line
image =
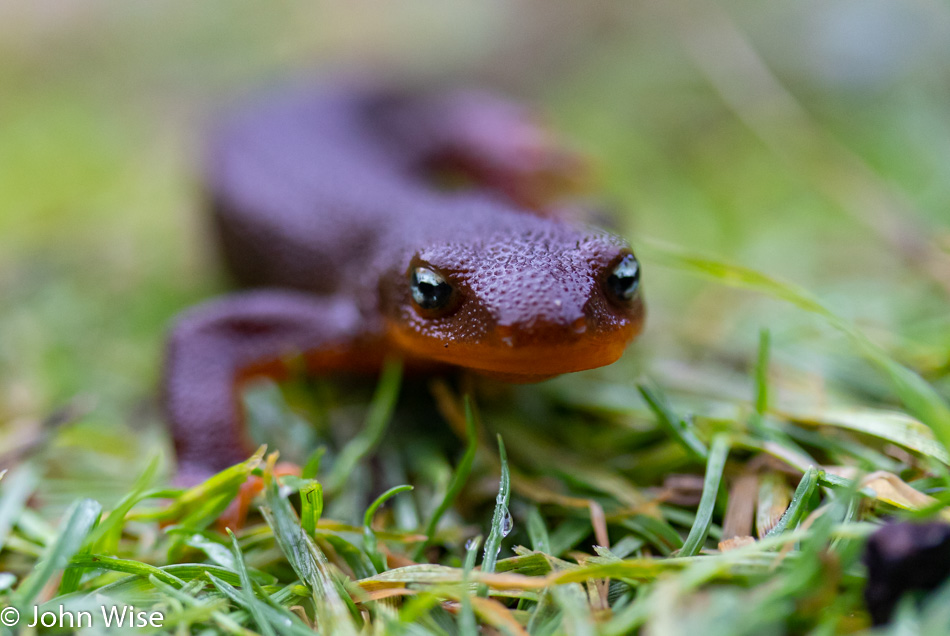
(328, 202)
(902, 558)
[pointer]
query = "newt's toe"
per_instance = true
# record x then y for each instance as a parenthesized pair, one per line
(235, 515)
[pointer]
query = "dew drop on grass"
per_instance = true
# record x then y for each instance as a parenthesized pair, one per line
(471, 544)
(507, 523)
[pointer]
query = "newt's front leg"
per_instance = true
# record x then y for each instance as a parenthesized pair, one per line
(214, 348)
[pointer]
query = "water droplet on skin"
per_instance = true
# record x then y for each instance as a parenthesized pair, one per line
(506, 334)
(507, 523)
(579, 325)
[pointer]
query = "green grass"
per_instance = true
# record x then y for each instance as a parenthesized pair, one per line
(789, 394)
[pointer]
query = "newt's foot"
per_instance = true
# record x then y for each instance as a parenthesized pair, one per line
(235, 515)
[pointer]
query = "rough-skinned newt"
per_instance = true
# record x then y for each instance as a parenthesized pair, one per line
(332, 206)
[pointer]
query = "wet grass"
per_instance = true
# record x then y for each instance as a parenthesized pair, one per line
(788, 396)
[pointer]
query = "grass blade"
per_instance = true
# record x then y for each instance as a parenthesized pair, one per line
(887, 425)
(261, 610)
(718, 453)
(468, 626)
(247, 590)
(676, 426)
(380, 412)
(311, 506)
(796, 509)
(128, 566)
(197, 507)
(370, 542)
(538, 532)
(312, 466)
(105, 538)
(918, 397)
(762, 373)
(213, 608)
(17, 488)
(309, 562)
(501, 519)
(79, 522)
(458, 479)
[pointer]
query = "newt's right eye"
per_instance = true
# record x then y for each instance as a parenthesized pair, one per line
(430, 291)
(623, 282)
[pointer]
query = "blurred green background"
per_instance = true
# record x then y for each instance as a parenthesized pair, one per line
(807, 140)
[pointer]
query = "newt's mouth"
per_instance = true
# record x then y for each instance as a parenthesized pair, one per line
(523, 362)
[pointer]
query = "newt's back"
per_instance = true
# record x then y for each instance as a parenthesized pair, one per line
(299, 188)
(319, 180)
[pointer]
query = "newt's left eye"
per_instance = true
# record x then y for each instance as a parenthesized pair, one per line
(430, 290)
(624, 279)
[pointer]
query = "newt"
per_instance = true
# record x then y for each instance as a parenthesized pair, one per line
(364, 221)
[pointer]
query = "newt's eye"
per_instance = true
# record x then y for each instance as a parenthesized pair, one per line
(624, 280)
(430, 290)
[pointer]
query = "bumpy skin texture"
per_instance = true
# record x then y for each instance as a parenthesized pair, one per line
(330, 198)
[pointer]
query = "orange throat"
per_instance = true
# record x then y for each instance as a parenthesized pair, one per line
(529, 362)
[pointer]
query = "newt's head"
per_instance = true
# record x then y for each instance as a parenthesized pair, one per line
(524, 306)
